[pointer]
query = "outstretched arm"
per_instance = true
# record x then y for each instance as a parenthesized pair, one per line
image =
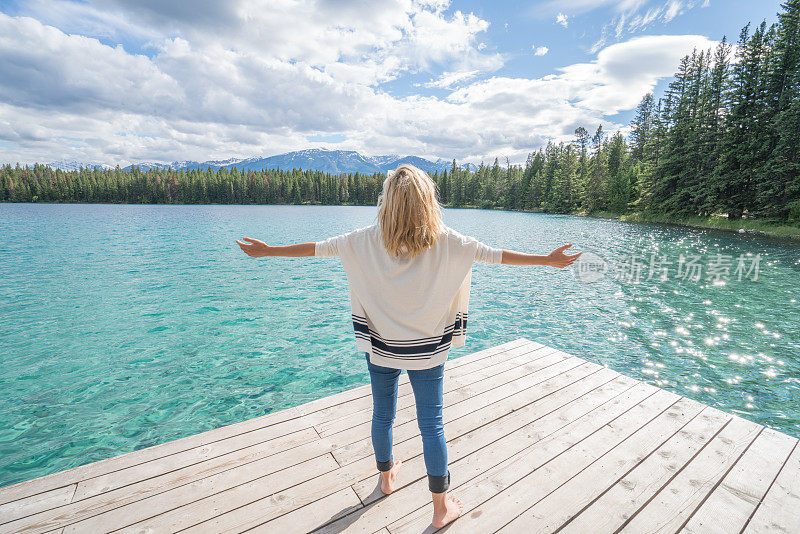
(557, 258)
(259, 249)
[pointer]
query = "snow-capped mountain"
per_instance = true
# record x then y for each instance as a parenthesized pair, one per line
(381, 161)
(316, 159)
(332, 161)
(147, 165)
(337, 162)
(72, 165)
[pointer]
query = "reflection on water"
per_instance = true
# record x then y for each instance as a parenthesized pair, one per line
(127, 326)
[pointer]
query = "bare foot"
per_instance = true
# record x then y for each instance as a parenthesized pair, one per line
(453, 509)
(389, 478)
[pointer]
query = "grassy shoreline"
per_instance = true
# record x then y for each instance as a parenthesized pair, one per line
(761, 227)
(743, 226)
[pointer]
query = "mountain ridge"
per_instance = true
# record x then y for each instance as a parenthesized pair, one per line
(315, 159)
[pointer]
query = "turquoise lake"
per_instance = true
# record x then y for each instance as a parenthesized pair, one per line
(125, 326)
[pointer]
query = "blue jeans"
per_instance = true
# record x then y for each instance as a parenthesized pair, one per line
(429, 398)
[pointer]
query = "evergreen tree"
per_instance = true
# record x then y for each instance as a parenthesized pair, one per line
(619, 187)
(593, 198)
(582, 140)
(778, 185)
(641, 125)
(732, 185)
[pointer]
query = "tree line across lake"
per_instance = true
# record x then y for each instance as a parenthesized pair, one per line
(724, 139)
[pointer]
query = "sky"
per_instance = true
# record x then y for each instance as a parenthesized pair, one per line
(126, 81)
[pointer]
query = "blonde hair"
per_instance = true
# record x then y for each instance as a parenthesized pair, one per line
(409, 212)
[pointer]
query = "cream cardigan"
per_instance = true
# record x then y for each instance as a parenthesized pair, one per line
(407, 313)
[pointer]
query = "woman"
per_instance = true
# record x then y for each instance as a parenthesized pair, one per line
(409, 280)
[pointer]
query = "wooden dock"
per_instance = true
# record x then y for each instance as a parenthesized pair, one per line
(538, 441)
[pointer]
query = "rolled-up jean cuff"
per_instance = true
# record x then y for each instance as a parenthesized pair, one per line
(386, 466)
(439, 484)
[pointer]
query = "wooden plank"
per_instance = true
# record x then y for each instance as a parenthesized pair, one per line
(322, 511)
(212, 455)
(575, 493)
(732, 503)
(253, 496)
(88, 521)
(41, 501)
(478, 482)
(779, 512)
(675, 503)
(533, 439)
(170, 502)
(262, 459)
(137, 482)
(611, 509)
(536, 478)
(83, 472)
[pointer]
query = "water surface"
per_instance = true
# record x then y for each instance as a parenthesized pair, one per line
(125, 326)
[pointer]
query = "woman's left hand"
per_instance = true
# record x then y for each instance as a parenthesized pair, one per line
(557, 258)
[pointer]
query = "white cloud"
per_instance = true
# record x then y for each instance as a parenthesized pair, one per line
(113, 137)
(584, 92)
(236, 83)
(44, 67)
(539, 50)
(632, 16)
(631, 69)
(83, 19)
(448, 79)
(579, 7)
(626, 17)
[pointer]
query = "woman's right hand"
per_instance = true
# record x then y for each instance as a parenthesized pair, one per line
(257, 249)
